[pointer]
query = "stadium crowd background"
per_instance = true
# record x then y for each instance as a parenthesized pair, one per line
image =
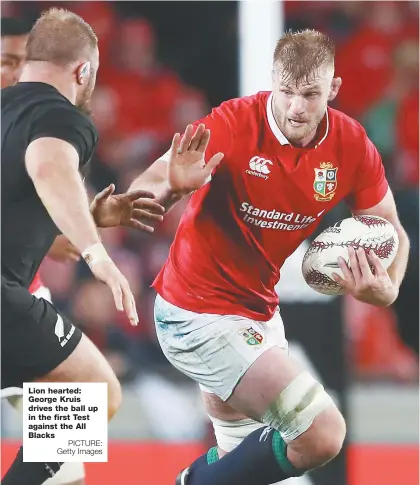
(165, 64)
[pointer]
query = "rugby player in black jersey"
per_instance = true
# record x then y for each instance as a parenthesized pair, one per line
(47, 141)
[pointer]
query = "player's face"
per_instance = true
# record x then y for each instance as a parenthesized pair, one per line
(299, 107)
(13, 54)
(86, 89)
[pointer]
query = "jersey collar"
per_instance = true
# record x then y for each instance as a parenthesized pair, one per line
(276, 130)
(272, 123)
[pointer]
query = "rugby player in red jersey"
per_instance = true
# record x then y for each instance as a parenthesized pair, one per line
(276, 163)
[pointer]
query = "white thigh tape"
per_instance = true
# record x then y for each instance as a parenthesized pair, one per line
(229, 434)
(17, 402)
(297, 406)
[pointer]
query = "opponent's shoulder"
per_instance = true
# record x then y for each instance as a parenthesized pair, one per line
(68, 117)
(29, 95)
(59, 108)
(54, 116)
(34, 101)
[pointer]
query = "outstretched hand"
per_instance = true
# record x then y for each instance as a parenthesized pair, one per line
(129, 210)
(187, 168)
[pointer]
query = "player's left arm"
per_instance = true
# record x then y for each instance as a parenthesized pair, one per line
(388, 210)
(190, 162)
(372, 196)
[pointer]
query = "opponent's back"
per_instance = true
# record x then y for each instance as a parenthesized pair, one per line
(30, 111)
(18, 106)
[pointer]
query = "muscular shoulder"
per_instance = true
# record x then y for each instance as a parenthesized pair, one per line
(36, 110)
(234, 119)
(58, 118)
(244, 111)
(59, 110)
(65, 116)
(347, 129)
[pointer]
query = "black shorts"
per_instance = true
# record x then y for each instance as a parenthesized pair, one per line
(35, 339)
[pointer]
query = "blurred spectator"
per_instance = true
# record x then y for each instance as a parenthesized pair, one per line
(365, 60)
(143, 93)
(393, 125)
(93, 308)
(104, 21)
(190, 105)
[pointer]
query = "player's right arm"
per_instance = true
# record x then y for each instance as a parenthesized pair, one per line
(53, 166)
(184, 169)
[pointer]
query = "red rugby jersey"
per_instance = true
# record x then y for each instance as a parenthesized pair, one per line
(264, 199)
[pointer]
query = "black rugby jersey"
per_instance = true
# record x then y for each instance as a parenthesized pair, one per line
(30, 111)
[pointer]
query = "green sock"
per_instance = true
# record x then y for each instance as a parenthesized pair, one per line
(260, 459)
(212, 455)
(280, 452)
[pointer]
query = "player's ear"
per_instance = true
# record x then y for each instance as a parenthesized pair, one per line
(82, 72)
(334, 88)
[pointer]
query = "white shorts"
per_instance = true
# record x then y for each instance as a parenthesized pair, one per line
(214, 350)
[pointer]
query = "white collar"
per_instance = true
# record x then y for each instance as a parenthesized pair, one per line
(276, 130)
(272, 123)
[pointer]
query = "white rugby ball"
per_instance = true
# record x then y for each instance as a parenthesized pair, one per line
(367, 232)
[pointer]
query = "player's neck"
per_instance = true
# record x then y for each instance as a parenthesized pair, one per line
(313, 137)
(308, 140)
(45, 72)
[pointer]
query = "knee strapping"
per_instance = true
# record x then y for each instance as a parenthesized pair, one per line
(229, 434)
(16, 402)
(297, 406)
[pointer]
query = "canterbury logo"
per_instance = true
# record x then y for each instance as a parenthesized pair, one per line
(260, 165)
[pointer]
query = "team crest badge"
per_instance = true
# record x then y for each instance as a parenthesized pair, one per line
(251, 336)
(325, 183)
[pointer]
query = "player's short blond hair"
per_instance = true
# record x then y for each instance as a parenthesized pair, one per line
(61, 37)
(299, 54)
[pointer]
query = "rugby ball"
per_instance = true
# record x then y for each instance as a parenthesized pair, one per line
(367, 232)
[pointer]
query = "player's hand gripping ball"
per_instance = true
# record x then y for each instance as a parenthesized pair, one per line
(360, 232)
